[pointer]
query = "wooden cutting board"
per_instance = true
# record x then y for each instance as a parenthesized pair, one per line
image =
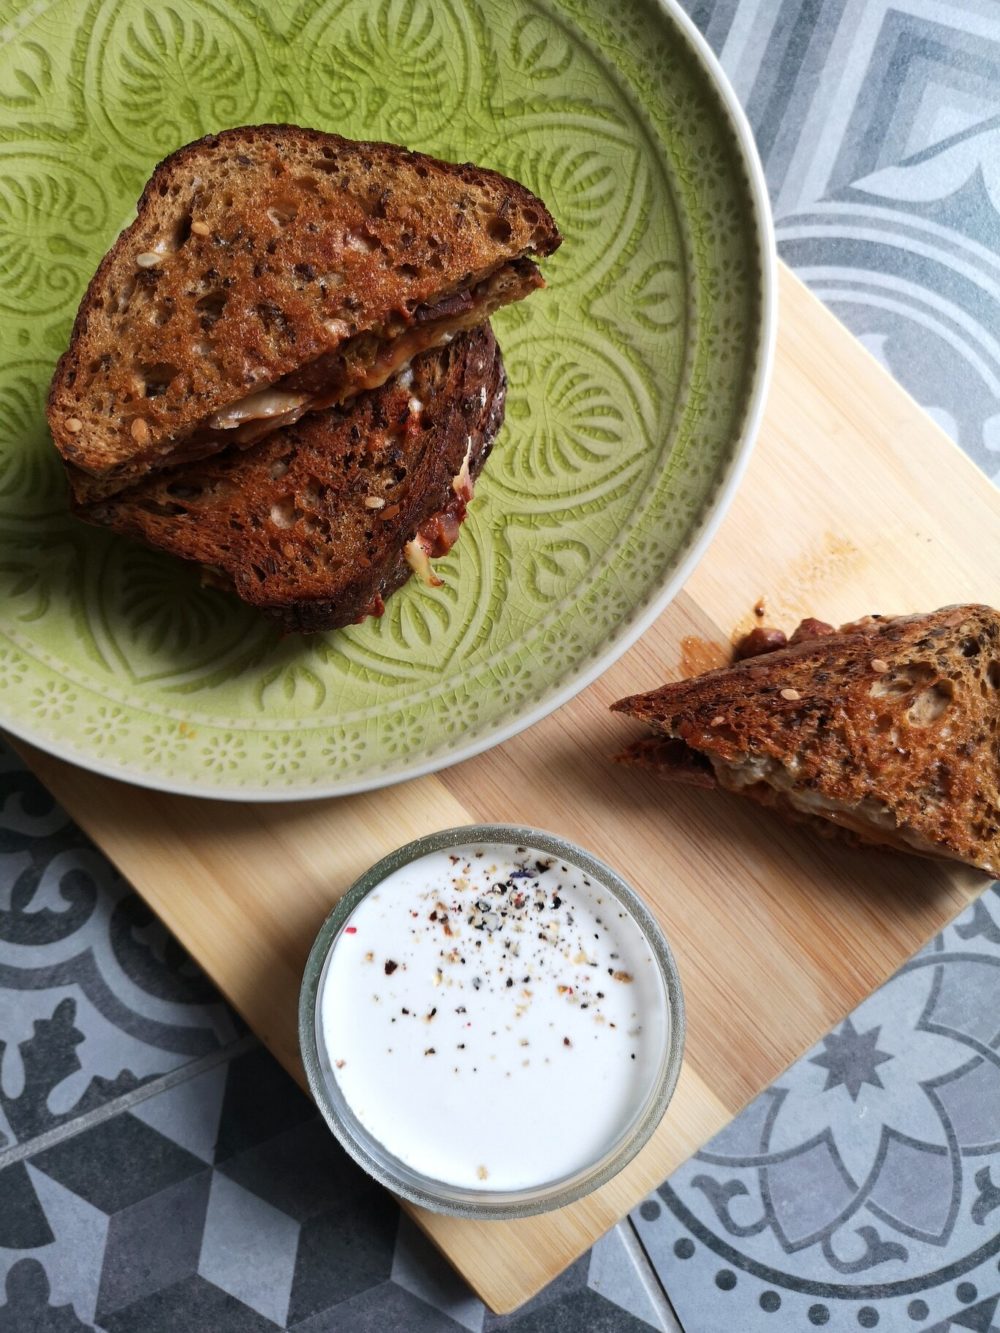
(854, 502)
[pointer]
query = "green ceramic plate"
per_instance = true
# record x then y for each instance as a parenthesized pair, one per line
(636, 379)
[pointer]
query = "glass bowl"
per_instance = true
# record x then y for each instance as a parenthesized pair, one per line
(482, 1203)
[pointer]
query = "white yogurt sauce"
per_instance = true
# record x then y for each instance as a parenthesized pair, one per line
(493, 1017)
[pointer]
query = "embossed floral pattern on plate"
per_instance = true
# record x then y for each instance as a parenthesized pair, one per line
(632, 377)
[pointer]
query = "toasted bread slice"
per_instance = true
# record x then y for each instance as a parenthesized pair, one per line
(886, 728)
(318, 523)
(272, 271)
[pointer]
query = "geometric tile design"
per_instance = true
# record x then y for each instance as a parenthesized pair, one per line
(571, 1302)
(980, 1317)
(343, 1251)
(96, 999)
(866, 1181)
(123, 1226)
(154, 1243)
(614, 1273)
(379, 1310)
(301, 1171)
(248, 1249)
(417, 1266)
(877, 121)
(23, 1224)
(118, 1163)
(560, 1295)
(260, 1102)
(74, 1259)
(864, 1187)
(28, 1309)
(155, 1172)
(188, 1114)
(191, 1303)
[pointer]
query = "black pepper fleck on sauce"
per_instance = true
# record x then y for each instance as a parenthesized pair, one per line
(520, 901)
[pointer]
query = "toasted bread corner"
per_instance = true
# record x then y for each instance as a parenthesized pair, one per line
(264, 251)
(887, 729)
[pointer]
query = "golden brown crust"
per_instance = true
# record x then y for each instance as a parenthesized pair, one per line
(310, 524)
(888, 727)
(255, 252)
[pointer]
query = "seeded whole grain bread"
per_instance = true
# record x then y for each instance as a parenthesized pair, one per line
(886, 728)
(318, 523)
(278, 258)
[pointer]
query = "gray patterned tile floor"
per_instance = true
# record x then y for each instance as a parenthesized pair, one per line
(159, 1171)
(863, 1188)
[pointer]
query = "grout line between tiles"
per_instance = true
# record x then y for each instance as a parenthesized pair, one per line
(650, 1278)
(19, 1151)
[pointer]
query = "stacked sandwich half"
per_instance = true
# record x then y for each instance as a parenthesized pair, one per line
(284, 371)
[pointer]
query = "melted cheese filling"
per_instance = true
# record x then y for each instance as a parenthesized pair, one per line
(462, 483)
(266, 405)
(418, 558)
(868, 818)
(252, 418)
(249, 419)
